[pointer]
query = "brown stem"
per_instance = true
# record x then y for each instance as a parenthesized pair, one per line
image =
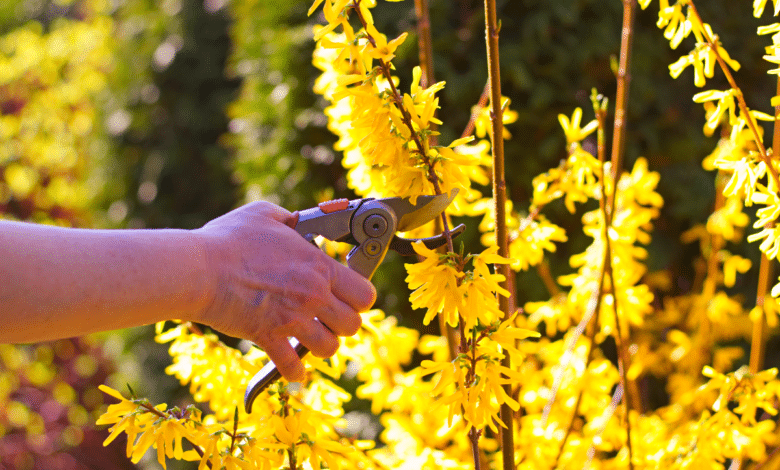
(424, 42)
(235, 432)
(407, 120)
(194, 329)
(451, 335)
(758, 339)
(740, 97)
(483, 100)
(474, 438)
(499, 198)
(704, 337)
(607, 215)
(594, 301)
(291, 459)
(284, 398)
(160, 414)
(154, 410)
(623, 362)
(623, 82)
(631, 395)
(199, 451)
(768, 458)
(543, 269)
(591, 329)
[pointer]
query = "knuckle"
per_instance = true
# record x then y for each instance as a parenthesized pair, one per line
(324, 266)
(302, 289)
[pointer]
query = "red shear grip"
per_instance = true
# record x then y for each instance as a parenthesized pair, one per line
(332, 206)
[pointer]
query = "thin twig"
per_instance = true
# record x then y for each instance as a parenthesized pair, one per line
(759, 336)
(151, 409)
(618, 150)
(616, 398)
(591, 335)
(620, 336)
(767, 459)
(543, 269)
(407, 120)
(474, 434)
(499, 198)
(483, 100)
(599, 107)
(425, 46)
(594, 303)
(740, 97)
(424, 42)
(623, 82)
(758, 339)
(704, 337)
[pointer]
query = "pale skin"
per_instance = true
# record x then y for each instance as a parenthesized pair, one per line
(246, 274)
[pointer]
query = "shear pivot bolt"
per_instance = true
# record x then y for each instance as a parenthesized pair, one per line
(375, 225)
(372, 247)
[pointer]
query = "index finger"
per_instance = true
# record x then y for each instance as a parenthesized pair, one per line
(352, 288)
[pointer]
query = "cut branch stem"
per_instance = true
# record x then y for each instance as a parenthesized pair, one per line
(499, 199)
(631, 396)
(759, 336)
(425, 46)
(623, 82)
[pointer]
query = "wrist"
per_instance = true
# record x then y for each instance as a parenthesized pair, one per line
(201, 254)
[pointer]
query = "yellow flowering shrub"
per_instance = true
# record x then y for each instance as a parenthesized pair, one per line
(53, 80)
(573, 401)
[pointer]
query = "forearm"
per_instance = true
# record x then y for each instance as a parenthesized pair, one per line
(57, 282)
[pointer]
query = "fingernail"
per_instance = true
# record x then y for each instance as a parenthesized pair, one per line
(372, 295)
(292, 221)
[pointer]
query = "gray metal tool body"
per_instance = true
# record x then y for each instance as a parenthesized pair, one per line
(370, 225)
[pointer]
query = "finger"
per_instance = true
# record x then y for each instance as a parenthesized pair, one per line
(352, 288)
(340, 318)
(286, 360)
(316, 337)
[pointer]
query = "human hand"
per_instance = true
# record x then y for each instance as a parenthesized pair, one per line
(270, 284)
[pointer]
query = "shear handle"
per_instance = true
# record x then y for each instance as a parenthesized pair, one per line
(268, 375)
(360, 221)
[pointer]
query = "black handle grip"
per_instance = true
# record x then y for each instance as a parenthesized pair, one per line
(268, 375)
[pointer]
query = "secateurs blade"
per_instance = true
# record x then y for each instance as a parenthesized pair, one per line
(371, 225)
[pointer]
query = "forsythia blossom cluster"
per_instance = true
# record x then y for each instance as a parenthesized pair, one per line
(564, 388)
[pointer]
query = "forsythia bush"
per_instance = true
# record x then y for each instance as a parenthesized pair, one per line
(574, 405)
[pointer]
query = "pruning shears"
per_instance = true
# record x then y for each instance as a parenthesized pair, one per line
(371, 225)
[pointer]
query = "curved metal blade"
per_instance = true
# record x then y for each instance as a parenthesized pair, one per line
(427, 208)
(403, 246)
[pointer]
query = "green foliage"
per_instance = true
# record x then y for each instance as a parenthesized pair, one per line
(167, 115)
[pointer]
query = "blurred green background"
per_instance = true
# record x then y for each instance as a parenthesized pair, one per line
(141, 113)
